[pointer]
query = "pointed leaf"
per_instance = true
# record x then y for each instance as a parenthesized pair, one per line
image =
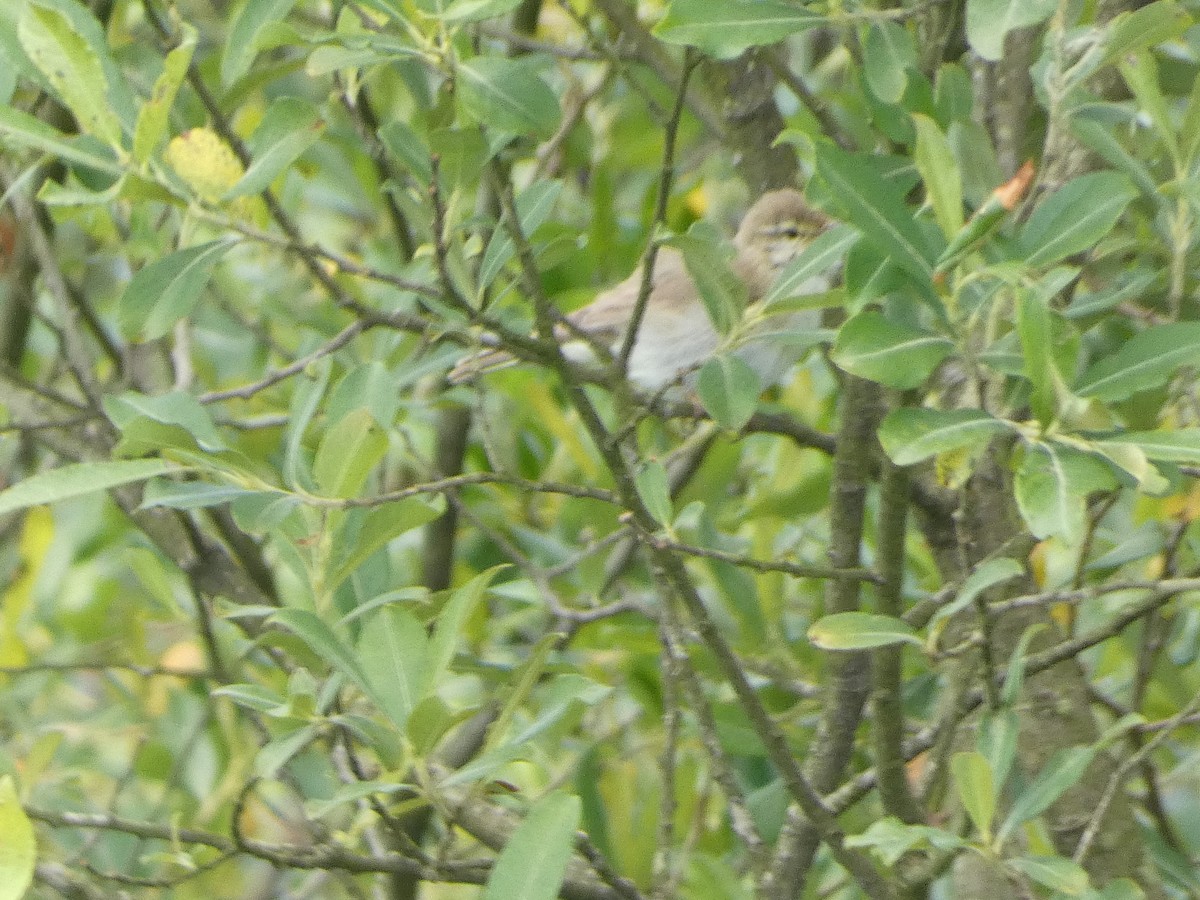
(1179, 446)
(877, 208)
(241, 45)
(1061, 773)
(976, 789)
(1146, 361)
(654, 489)
(393, 649)
(860, 631)
(153, 117)
(803, 275)
(347, 454)
(534, 862)
(289, 128)
(505, 95)
(1075, 217)
(18, 850)
(167, 290)
(912, 434)
(73, 69)
(78, 479)
(888, 54)
(1058, 874)
(723, 30)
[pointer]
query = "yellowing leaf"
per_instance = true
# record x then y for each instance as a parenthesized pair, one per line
(205, 162)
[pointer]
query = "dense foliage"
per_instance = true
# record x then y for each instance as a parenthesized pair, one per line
(287, 614)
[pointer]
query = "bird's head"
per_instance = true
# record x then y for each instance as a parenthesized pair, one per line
(778, 226)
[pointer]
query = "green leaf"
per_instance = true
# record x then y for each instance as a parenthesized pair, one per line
(505, 95)
(393, 649)
(534, 206)
(533, 863)
(1146, 361)
(976, 789)
(167, 290)
(1140, 71)
(1075, 217)
(20, 129)
(1014, 676)
(1058, 874)
(812, 262)
(729, 390)
(877, 208)
(460, 12)
(78, 479)
(275, 754)
(347, 454)
(18, 850)
(1098, 136)
(379, 527)
(654, 489)
(323, 641)
(450, 622)
(860, 631)
(241, 46)
(166, 494)
(891, 839)
(876, 348)
(912, 434)
(1179, 446)
(1034, 329)
(176, 408)
(1052, 487)
(72, 67)
(409, 148)
(888, 54)
(153, 117)
(998, 733)
(290, 127)
(1062, 772)
(1140, 29)
(723, 30)
(723, 293)
(939, 170)
(988, 21)
(252, 696)
(986, 575)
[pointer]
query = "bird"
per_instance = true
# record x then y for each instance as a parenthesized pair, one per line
(676, 335)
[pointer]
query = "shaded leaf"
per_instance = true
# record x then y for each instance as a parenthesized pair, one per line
(729, 390)
(1062, 772)
(505, 95)
(1146, 361)
(290, 127)
(167, 290)
(976, 789)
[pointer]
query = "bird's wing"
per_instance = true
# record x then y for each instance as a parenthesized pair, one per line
(608, 315)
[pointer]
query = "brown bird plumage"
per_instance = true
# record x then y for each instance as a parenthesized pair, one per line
(676, 334)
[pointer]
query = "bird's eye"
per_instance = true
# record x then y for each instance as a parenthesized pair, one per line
(791, 232)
